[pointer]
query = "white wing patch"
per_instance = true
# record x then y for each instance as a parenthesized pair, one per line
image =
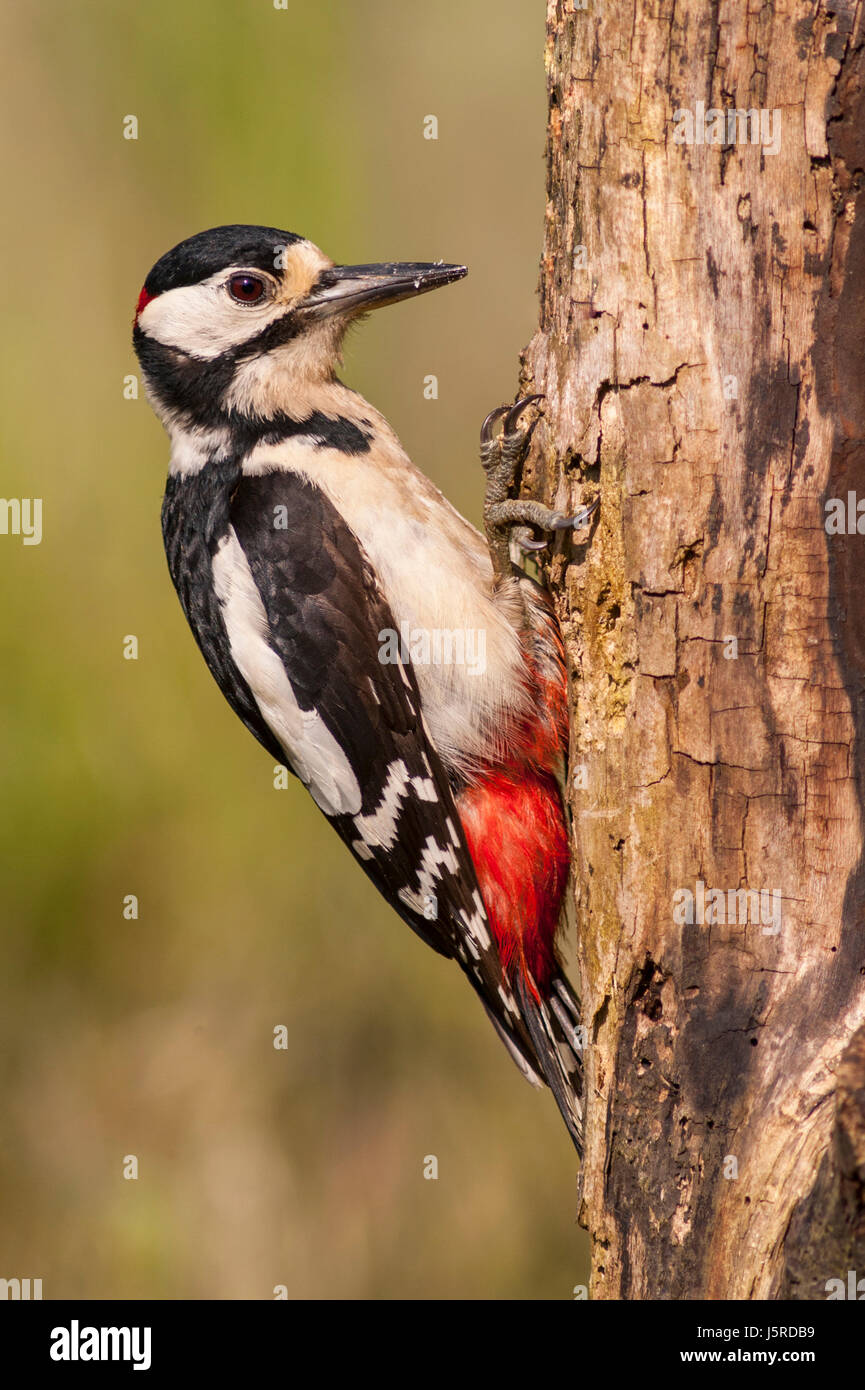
(433, 860)
(378, 828)
(311, 748)
(477, 924)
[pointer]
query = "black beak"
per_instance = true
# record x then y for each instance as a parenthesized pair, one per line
(353, 289)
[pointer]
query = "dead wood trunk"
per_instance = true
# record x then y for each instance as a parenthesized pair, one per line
(702, 350)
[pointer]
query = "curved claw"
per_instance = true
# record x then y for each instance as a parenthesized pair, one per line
(579, 519)
(490, 422)
(525, 544)
(516, 411)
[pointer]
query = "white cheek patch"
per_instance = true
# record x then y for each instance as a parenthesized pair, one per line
(203, 321)
(312, 751)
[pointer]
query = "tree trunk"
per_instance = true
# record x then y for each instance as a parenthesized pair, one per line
(700, 345)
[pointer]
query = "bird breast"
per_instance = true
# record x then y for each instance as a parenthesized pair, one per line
(435, 573)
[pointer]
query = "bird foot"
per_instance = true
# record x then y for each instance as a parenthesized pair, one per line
(501, 456)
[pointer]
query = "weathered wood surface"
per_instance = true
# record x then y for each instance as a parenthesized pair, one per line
(703, 360)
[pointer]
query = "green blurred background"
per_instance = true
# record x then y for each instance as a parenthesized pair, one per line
(153, 1037)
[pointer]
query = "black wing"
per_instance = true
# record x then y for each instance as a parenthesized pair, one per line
(321, 612)
(325, 612)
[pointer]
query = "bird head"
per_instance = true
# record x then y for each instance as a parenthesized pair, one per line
(230, 320)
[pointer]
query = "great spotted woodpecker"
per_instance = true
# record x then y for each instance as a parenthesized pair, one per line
(298, 534)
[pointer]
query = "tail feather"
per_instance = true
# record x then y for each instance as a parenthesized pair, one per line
(554, 1028)
(526, 1064)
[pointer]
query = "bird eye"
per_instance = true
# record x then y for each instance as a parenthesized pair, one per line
(246, 289)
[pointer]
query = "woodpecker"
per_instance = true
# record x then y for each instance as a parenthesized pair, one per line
(298, 533)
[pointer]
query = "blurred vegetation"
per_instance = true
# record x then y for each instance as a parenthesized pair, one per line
(154, 1037)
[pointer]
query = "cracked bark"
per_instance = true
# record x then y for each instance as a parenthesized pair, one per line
(702, 362)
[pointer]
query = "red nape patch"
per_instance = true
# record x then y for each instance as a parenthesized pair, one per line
(143, 300)
(515, 830)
